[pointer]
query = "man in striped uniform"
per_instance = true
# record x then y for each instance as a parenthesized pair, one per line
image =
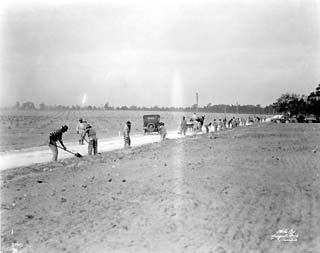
(126, 135)
(53, 138)
(81, 130)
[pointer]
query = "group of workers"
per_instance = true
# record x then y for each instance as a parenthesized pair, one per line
(196, 123)
(84, 129)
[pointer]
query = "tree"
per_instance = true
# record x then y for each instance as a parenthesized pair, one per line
(28, 106)
(17, 105)
(292, 104)
(313, 101)
(42, 106)
(133, 107)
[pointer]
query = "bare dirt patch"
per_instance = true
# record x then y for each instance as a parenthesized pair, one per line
(226, 194)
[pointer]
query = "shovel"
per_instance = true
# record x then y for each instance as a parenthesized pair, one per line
(75, 154)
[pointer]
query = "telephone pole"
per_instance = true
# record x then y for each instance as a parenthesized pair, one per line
(197, 101)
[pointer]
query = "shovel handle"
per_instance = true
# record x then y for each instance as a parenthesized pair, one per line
(64, 149)
(76, 154)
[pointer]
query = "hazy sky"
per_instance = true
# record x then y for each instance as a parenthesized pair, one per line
(158, 52)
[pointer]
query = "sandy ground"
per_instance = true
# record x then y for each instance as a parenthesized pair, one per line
(231, 193)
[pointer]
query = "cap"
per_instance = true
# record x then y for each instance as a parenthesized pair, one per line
(65, 128)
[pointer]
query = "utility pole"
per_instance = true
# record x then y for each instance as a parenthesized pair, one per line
(197, 101)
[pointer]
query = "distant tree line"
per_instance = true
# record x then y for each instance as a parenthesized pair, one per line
(221, 108)
(295, 105)
(292, 104)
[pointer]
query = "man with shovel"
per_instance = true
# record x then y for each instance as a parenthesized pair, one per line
(93, 141)
(53, 138)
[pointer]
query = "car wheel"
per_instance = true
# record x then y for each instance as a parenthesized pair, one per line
(151, 127)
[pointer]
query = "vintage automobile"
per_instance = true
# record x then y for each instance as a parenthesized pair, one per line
(280, 119)
(151, 123)
(311, 119)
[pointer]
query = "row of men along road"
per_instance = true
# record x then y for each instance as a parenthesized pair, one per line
(88, 134)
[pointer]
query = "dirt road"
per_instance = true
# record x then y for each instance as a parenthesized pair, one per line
(232, 193)
(42, 154)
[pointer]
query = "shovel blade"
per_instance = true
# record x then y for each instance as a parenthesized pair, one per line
(78, 155)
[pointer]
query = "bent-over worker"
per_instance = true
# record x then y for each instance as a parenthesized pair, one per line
(93, 141)
(53, 138)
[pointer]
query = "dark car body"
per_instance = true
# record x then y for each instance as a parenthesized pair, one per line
(280, 119)
(151, 123)
(311, 119)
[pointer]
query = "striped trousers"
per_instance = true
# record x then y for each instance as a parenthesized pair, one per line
(127, 141)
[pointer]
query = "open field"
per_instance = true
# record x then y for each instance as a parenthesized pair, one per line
(24, 129)
(231, 193)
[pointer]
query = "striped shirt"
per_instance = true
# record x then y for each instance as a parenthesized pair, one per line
(56, 135)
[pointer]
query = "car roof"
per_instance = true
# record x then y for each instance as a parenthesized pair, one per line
(151, 115)
(277, 116)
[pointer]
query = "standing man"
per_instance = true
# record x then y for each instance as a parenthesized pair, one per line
(210, 130)
(183, 126)
(81, 130)
(126, 135)
(194, 116)
(215, 125)
(53, 138)
(196, 126)
(224, 123)
(201, 121)
(220, 125)
(162, 131)
(93, 141)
